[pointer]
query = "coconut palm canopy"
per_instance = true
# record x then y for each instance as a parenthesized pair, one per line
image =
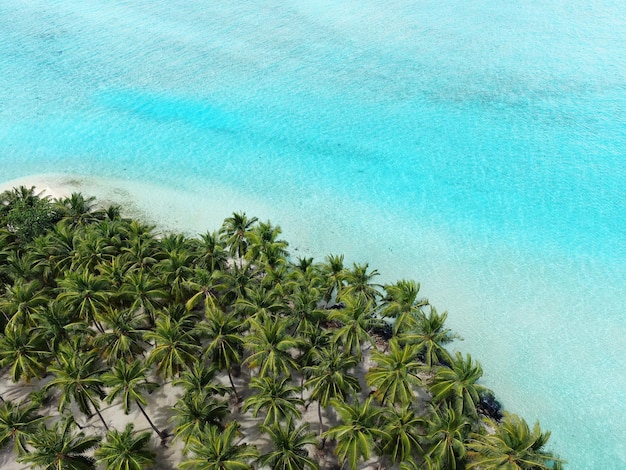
(239, 339)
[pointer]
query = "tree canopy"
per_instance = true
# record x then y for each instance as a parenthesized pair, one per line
(101, 313)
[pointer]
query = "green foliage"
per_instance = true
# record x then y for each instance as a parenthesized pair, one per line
(213, 449)
(77, 375)
(125, 450)
(395, 375)
(359, 431)
(276, 397)
(26, 213)
(106, 304)
(174, 348)
(405, 430)
(446, 438)
(512, 446)
(457, 385)
(290, 443)
(195, 412)
(18, 421)
(24, 353)
(270, 348)
(60, 447)
(357, 319)
(430, 336)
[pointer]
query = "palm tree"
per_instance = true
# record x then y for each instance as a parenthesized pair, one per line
(141, 291)
(235, 232)
(359, 282)
(193, 413)
(125, 450)
(55, 326)
(17, 423)
(270, 348)
(21, 266)
(513, 446)
(305, 274)
(60, 448)
(78, 376)
(359, 432)
(403, 305)
(357, 320)
(276, 279)
(447, 433)
(62, 246)
(234, 283)
(289, 451)
(174, 348)
(8, 246)
(329, 379)
(40, 255)
(259, 304)
(225, 343)
(110, 230)
(264, 244)
(114, 271)
(395, 375)
(211, 253)
(333, 272)
(304, 312)
(458, 386)
(21, 300)
(187, 320)
(198, 380)
(276, 397)
(92, 251)
(216, 450)
(312, 347)
(26, 213)
(430, 336)
(175, 270)
(203, 284)
(136, 230)
(86, 295)
(19, 193)
(78, 210)
(24, 352)
(404, 428)
(141, 250)
(123, 339)
(129, 382)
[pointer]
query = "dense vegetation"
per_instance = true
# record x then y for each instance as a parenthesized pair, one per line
(98, 309)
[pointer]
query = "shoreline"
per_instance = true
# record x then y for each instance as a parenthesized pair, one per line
(166, 208)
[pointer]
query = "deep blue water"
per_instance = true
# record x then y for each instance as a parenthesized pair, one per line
(478, 146)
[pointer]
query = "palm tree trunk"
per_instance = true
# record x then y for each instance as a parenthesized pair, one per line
(232, 384)
(319, 415)
(162, 435)
(99, 326)
(98, 411)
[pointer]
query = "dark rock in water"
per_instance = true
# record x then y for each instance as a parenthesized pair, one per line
(338, 306)
(489, 406)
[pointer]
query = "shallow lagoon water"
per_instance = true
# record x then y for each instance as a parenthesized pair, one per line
(478, 148)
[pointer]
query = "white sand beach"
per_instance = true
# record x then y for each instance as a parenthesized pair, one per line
(178, 210)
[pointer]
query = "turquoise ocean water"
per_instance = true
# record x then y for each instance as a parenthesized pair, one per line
(478, 146)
